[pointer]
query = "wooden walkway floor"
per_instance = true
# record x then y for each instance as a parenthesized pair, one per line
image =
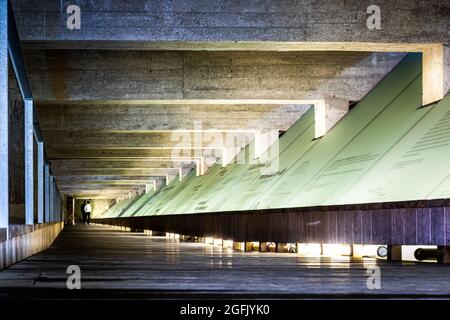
(116, 264)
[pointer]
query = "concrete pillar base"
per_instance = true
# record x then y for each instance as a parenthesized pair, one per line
(243, 246)
(282, 247)
(394, 253)
(268, 247)
(443, 254)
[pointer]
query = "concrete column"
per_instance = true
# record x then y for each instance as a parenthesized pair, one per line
(327, 113)
(47, 196)
(51, 201)
(281, 247)
(41, 180)
(394, 253)
(184, 172)
(263, 141)
(170, 178)
(29, 161)
(57, 199)
(243, 246)
(4, 116)
(228, 155)
(200, 166)
(157, 184)
(433, 84)
(443, 254)
(57, 216)
(70, 211)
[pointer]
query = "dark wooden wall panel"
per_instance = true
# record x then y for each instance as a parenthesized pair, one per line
(376, 227)
(438, 225)
(409, 223)
(357, 226)
(397, 227)
(447, 225)
(386, 225)
(366, 226)
(423, 226)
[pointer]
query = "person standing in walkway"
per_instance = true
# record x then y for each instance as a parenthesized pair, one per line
(83, 211)
(87, 210)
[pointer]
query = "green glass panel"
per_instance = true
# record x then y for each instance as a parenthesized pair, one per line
(117, 209)
(263, 178)
(185, 200)
(168, 202)
(154, 203)
(364, 150)
(140, 202)
(197, 199)
(309, 164)
(235, 177)
(416, 168)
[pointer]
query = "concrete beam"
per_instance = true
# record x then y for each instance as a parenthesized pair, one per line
(85, 187)
(158, 118)
(81, 153)
(111, 193)
(327, 113)
(118, 164)
(106, 179)
(77, 75)
(75, 183)
(149, 140)
(4, 117)
(63, 72)
(115, 172)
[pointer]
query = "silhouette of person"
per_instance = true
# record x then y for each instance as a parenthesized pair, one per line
(83, 211)
(87, 210)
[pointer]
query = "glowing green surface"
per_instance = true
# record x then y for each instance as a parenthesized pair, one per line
(138, 204)
(295, 179)
(418, 166)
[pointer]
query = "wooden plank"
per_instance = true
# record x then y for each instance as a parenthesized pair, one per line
(357, 231)
(409, 225)
(423, 221)
(438, 225)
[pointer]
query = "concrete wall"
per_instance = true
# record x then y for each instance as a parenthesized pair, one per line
(25, 241)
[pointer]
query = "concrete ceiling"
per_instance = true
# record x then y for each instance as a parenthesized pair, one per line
(114, 121)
